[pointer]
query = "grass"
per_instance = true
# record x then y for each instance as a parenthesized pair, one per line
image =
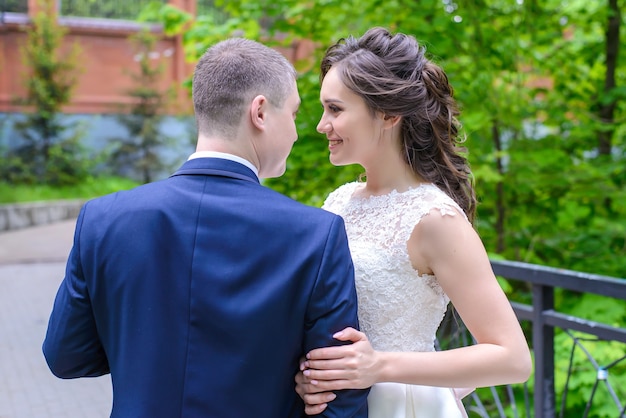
(88, 188)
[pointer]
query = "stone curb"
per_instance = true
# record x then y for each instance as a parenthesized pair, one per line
(22, 215)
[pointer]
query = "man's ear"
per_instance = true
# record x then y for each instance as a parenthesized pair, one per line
(258, 112)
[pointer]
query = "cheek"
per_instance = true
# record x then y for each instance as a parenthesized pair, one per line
(351, 128)
(339, 126)
(353, 132)
(294, 129)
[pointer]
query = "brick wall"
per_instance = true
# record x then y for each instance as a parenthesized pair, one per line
(106, 57)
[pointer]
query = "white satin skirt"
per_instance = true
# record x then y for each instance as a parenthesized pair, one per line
(397, 400)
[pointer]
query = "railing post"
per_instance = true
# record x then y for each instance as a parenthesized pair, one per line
(543, 346)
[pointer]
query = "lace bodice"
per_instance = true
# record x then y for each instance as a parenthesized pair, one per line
(399, 309)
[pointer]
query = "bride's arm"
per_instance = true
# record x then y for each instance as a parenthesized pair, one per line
(451, 249)
(448, 247)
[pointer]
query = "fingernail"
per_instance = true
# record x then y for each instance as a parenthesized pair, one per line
(338, 334)
(314, 382)
(331, 397)
(306, 372)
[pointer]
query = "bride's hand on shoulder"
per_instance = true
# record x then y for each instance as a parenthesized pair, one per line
(352, 366)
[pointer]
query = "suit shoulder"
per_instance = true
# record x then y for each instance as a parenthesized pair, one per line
(300, 207)
(299, 216)
(123, 199)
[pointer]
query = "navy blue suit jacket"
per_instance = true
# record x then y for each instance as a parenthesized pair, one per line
(199, 293)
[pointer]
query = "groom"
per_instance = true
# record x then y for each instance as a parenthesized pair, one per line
(199, 293)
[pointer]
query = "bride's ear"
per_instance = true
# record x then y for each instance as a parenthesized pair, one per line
(258, 112)
(390, 121)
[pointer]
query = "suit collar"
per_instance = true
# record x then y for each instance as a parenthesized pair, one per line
(216, 166)
(225, 156)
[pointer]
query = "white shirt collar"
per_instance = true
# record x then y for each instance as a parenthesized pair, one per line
(225, 156)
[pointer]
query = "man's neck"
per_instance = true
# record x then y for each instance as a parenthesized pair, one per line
(225, 156)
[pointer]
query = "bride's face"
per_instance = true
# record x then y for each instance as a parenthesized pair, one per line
(353, 132)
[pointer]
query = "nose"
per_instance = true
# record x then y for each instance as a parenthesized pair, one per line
(323, 126)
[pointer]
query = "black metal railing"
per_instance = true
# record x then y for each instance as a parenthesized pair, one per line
(110, 9)
(578, 333)
(14, 6)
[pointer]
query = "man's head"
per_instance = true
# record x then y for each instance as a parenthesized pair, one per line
(235, 80)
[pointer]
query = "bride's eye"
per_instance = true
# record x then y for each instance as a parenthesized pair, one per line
(334, 108)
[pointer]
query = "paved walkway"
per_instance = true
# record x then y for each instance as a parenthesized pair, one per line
(32, 263)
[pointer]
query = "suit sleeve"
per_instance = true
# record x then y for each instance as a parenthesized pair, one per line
(72, 347)
(333, 306)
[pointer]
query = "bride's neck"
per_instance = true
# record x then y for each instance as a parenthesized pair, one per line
(383, 180)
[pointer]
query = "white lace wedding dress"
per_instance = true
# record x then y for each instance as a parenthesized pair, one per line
(399, 309)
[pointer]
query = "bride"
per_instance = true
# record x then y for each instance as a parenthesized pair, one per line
(391, 110)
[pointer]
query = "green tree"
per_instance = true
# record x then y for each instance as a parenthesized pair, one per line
(50, 150)
(106, 9)
(553, 180)
(541, 88)
(140, 149)
(15, 6)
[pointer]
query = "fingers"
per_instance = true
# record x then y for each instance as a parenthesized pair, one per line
(316, 403)
(345, 363)
(314, 409)
(319, 398)
(304, 390)
(349, 334)
(337, 352)
(315, 375)
(315, 398)
(301, 379)
(329, 352)
(306, 386)
(320, 386)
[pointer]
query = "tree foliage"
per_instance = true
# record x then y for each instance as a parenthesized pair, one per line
(141, 148)
(533, 80)
(14, 6)
(106, 9)
(50, 150)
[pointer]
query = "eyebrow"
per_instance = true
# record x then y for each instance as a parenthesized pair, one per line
(331, 101)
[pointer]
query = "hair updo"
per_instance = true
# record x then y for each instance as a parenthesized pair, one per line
(393, 76)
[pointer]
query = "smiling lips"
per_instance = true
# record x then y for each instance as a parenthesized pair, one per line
(333, 142)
